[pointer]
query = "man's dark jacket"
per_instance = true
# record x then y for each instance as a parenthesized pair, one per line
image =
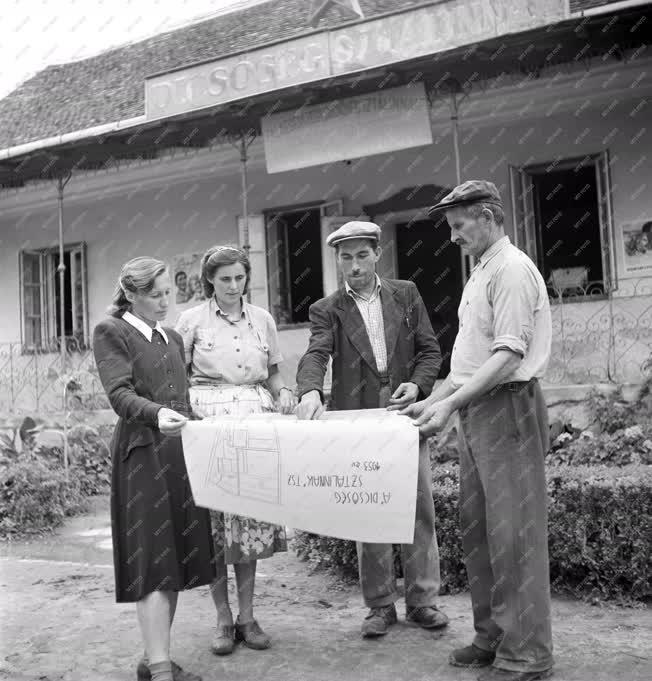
(337, 329)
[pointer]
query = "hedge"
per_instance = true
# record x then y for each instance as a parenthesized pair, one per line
(599, 532)
(35, 497)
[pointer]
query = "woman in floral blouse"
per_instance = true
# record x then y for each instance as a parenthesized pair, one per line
(233, 354)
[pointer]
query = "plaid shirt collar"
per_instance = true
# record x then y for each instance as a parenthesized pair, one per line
(375, 293)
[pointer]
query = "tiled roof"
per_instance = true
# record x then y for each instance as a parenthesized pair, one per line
(110, 86)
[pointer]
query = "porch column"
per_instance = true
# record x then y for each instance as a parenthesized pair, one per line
(242, 140)
(61, 269)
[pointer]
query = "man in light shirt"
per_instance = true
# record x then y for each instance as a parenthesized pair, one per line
(500, 353)
(384, 354)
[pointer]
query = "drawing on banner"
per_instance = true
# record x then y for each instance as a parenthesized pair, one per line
(637, 245)
(246, 464)
(188, 290)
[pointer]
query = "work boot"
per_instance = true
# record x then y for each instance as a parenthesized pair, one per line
(377, 622)
(426, 617)
(471, 656)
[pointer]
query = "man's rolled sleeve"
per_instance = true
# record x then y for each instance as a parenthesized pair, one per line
(514, 295)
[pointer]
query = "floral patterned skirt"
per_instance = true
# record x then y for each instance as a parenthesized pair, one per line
(238, 539)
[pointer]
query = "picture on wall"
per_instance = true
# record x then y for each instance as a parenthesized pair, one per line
(637, 246)
(187, 291)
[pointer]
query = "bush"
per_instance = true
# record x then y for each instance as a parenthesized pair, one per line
(599, 536)
(90, 460)
(620, 434)
(35, 497)
(34, 494)
(599, 530)
(631, 445)
(612, 412)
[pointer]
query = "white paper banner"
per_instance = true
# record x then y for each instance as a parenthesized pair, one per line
(351, 475)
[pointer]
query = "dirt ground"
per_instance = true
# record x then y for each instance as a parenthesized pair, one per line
(59, 622)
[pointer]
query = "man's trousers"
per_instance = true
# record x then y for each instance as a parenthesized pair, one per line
(503, 440)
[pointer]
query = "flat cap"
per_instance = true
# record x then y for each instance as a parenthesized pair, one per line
(472, 191)
(354, 230)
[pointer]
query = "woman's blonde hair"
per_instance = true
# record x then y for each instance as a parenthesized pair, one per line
(219, 256)
(136, 276)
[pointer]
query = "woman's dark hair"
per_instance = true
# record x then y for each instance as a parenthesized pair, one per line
(136, 276)
(219, 256)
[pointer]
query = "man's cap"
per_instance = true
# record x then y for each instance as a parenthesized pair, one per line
(472, 191)
(355, 229)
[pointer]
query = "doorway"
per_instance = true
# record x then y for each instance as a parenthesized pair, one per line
(426, 256)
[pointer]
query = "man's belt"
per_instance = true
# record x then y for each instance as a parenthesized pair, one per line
(516, 386)
(384, 379)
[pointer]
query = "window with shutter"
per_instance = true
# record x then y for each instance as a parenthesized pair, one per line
(562, 220)
(301, 268)
(41, 297)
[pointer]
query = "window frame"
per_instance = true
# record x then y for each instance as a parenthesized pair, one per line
(49, 334)
(527, 233)
(326, 208)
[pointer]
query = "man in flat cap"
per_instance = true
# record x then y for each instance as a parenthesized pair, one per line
(500, 353)
(384, 353)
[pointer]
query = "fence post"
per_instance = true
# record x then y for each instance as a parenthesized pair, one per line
(36, 386)
(561, 332)
(66, 453)
(11, 379)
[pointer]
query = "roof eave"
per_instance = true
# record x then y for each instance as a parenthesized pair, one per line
(68, 137)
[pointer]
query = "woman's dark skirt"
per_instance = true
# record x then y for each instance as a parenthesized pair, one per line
(161, 540)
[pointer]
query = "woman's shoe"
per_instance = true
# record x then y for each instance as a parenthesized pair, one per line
(224, 641)
(252, 635)
(178, 674)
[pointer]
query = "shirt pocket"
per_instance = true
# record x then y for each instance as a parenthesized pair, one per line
(209, 340)
(257, 340)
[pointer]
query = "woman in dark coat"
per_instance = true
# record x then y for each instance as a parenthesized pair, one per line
(161, 541)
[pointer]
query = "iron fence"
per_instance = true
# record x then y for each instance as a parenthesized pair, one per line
(35, 381)
(598, 337)
(601, 335)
